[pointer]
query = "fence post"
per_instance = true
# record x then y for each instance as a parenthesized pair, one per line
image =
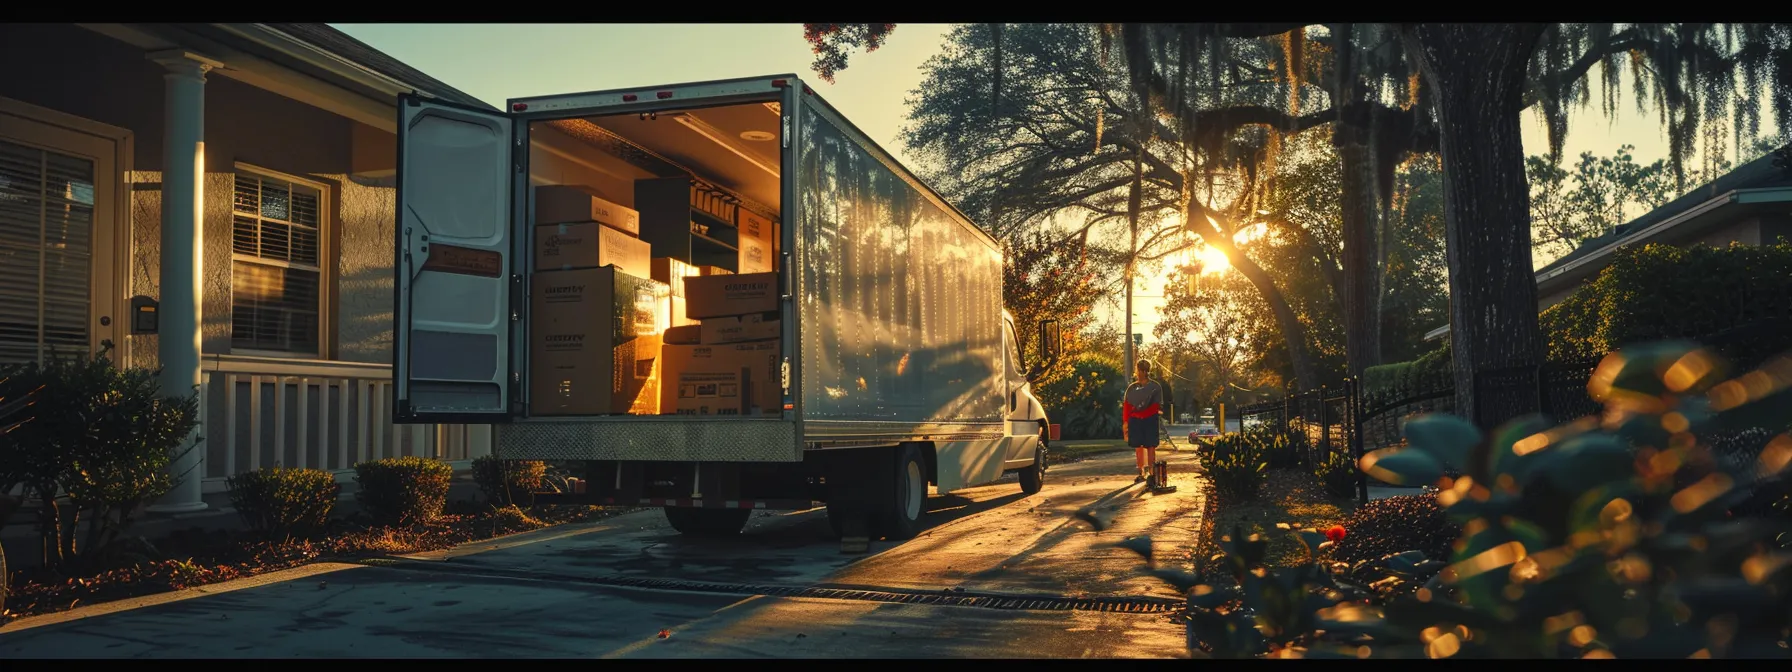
(1353, 402)
(1325, 422)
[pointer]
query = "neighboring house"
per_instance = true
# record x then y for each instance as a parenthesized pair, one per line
(288, 208)
(1751, 205)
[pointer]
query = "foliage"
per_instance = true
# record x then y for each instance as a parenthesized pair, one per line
(282, 502)
(1043, 279)
(1659, 291)
(1570, 208)
(1271, 442)
(1087, 398)
(504, 482)
(1389, 383)
(1337, 473)
(1236, 468)
(403, 490)
(1395, 525)
(102, 437)
(833, 41)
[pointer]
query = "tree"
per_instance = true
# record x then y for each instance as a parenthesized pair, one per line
(1046, 278)
(833, 41)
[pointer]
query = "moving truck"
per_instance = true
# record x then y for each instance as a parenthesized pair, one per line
(712, 298)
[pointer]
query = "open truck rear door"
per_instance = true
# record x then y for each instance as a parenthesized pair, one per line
(453, 322)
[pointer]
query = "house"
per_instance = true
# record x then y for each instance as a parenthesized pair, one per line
(216, 199)
(1751, 205)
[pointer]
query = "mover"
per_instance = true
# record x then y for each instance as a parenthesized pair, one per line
(815, 324)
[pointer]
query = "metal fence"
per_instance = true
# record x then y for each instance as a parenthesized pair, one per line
(1326, 421)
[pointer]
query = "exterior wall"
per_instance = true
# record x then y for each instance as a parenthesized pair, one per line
(1746, 232)
(253, 407)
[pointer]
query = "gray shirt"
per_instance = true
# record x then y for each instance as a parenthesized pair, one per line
(1143, 396)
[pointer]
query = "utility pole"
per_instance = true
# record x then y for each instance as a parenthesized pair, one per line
(1132, 250)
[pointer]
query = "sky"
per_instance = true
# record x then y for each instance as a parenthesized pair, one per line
(496, 62)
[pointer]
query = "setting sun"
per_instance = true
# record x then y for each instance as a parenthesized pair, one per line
(1210, 259)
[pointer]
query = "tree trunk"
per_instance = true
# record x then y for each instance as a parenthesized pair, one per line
(1477, 73)
(1361, 257)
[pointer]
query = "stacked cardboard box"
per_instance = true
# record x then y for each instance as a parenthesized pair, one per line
(673, 272)
(756, 234)
(737, 347)
(596, 318)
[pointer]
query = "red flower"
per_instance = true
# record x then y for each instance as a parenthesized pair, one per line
(1336, 534)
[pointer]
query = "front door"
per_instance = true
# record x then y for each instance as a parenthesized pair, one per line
(58, 231)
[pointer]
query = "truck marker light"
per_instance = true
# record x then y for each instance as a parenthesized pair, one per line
(779, 83)
(520, 107)
(664, 95)
(628, 97)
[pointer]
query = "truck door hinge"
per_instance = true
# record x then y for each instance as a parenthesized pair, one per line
(786, 131)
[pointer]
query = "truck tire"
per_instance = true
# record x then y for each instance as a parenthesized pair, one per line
(1032, 479)
(707, 522)
(905, 500)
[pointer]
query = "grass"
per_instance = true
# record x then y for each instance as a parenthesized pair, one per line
(1077, 451)
(1290, 496)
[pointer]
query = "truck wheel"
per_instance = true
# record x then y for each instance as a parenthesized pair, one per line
(707, 522)
(1032, 479)
(904, 503)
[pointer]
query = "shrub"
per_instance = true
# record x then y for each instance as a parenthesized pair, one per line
(503, 481)
(403, 490)
(284, 502)
(1338, 474)
(1396, 525)
(1272, 443)
(1236, 469)
(1088, 399)
(102, 437)
(1389, 383)
(1660, 291)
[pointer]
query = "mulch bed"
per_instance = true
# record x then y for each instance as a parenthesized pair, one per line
(197, 557)
(1290, 496)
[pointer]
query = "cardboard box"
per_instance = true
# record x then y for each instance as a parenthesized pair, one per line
(757, 251)
(757, 364)
(683, 335)
(712, 270)
(565, 247)
(730, 295)
(672, 272)
(755, 327)
(572, 203)
(719, 393)
(594, 343)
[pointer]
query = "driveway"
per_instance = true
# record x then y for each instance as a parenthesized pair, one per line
(996, 574)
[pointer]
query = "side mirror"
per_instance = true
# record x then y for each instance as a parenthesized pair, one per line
(1049, 340)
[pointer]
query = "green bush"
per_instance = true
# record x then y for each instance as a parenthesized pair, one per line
(1272, 443)
(1087, 399)
(1396, 525)
(1236, 469)
(99, 444)
(284, 502)
(1392, 382)
(403, 490)
(504, 482)
(1338, 474)
(1657, 291)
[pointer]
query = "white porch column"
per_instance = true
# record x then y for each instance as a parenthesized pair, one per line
(183, 203)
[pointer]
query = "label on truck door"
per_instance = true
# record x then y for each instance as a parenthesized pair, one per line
(453, 263)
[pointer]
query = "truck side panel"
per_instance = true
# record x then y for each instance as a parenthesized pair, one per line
(901, 298)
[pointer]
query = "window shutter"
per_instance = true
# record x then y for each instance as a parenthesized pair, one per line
(46, 250)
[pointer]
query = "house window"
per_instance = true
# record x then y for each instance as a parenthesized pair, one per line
(275, 274)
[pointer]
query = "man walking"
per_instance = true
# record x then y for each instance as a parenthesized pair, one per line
(1143, 404)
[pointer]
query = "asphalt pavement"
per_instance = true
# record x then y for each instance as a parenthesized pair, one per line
(996, 574)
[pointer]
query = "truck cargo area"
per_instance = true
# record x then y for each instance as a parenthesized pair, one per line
(654, 264)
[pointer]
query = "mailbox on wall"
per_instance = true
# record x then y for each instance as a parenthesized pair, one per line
(143, 315)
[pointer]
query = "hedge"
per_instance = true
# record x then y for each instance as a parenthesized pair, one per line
(1391, 382)
(1656, 292)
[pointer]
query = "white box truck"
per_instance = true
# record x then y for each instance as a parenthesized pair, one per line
(895, 366)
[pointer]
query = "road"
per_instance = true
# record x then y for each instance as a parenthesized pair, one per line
(781, 590)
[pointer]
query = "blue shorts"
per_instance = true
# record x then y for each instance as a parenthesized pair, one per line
(1142, 432)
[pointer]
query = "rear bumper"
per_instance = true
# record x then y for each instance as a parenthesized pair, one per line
(654, 438)
(667, 502)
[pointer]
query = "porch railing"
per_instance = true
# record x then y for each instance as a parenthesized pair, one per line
(267, 411)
